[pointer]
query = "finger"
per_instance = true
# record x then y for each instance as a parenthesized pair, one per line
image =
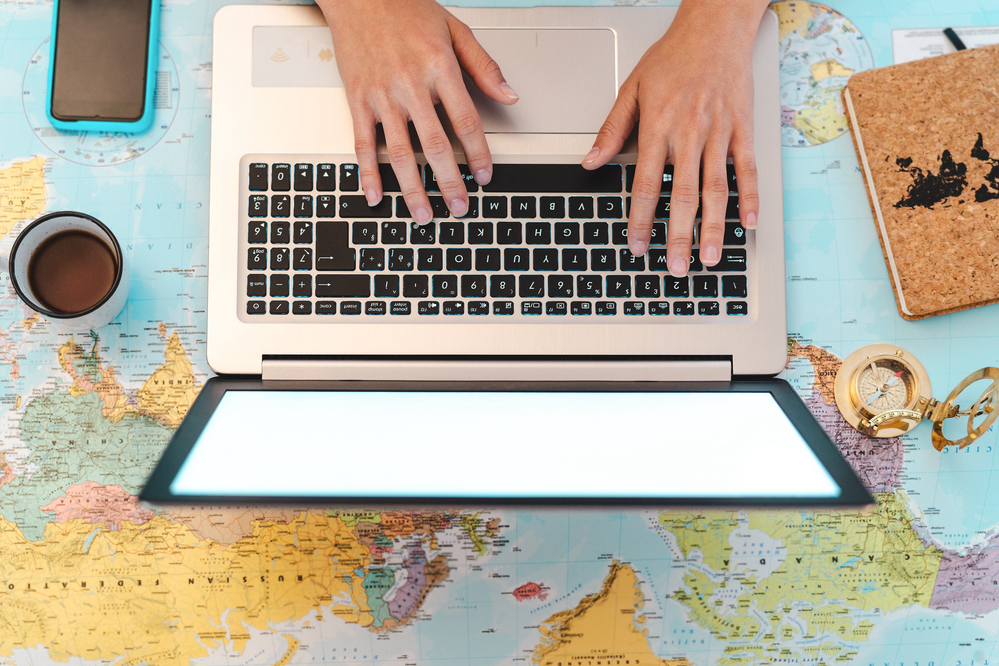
(440, 155)
(746, 180)
(366, 150)
(467, 127)
(479, 65)
(400, 152)
(615, 130)
(714, 200)
(683, 209)
(652, 151)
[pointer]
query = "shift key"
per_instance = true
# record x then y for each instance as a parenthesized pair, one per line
(355, 205)
(333, 251)
(343, 286)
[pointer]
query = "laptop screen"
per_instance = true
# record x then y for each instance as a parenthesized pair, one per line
(501, 444)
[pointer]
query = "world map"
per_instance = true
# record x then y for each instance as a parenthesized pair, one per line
(90, 576)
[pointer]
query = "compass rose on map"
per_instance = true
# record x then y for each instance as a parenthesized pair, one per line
(98, 148)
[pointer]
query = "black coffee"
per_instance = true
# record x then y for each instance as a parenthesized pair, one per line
(71, 271)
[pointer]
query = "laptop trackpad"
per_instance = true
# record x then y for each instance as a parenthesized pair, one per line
(566, 79)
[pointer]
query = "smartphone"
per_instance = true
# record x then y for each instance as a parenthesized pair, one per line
(102, 64)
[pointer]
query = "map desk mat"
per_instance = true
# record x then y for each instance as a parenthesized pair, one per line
(927, 135)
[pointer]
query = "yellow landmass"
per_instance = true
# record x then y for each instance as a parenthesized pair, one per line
(90, 375)
(821, 123)
(22, 192)
(604, 628)
(829, 67)
(170, 390)
(826, 365)
(293, 644)
(792, 16)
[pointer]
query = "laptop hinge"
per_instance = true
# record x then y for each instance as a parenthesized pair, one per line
(512, 370)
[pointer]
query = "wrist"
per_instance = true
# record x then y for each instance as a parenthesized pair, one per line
(732, 22)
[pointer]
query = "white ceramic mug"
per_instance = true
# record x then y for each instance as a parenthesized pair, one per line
(32, 237)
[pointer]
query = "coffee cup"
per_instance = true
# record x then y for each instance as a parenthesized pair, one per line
(69, 268)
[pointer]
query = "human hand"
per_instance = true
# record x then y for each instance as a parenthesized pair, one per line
(694, 91)
(397, 60)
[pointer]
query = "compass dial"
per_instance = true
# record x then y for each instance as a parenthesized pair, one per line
(885, 384)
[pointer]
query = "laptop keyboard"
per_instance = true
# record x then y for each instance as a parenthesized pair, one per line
(539, 241)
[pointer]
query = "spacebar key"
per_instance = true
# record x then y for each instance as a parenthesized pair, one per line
(570, 178)
(343, 286)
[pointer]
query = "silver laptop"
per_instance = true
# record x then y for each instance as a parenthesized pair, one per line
(517, 355)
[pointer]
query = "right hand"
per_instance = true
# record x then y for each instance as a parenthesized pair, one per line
(397, 59)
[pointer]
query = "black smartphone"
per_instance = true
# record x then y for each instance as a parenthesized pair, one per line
(102, 64)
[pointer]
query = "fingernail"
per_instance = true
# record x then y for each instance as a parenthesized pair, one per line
(678, 266)
(458, 208)
(710, 254)
(483, 176)
(422, 215)
(508, 91)
(751, 221)
(592, 155)
(372, 197)
(638, 247)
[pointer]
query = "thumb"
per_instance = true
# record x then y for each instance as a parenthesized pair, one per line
(479, 65)
(615, 130)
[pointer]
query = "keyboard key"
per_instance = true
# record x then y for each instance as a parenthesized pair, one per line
(473, 286)
(732, 185)
(375, 308)
(610, 208)
(478, 307)
(423, 234)
(257, 232)
(349, 180)
(342, 286)
(355, 205)
(430, 259)
(393, 233)
(573, 260)
(581, 308)
(258, 177)
(619, 286)
(736, 308)
(325, 307)
(401, 209)
(589, 286)
(389, 181)
(372, 259)
(301, 307)
(428, 308)
(570, 178)
(301, 286)
(280, 205)
(415, 286)
(325, 177)
(731, 260)
(581, 208)
(400, 307)
(509, 233)
(667, 184)
(430, 183)
(494, 207)
(303, 177)
(532, 286)
(606, 308)
(657, 260)
(400, 259)
(553, 207)
(676, 287)
(708, 308)
(333, 253)
(473, 209)
(545, 259)
(364, 233)
(503, 307)
(658, 233)
(658, 308)
(451, 233)
(595, 233)
(630, 262)
(280, 232)
(280, 259)
(454, 307)
(458, 259)
(556, 308)
(445, 286)
(560, 286)
(326, 206)
(734, 286)
(683, 308)
(480, 233)
(257, 206)
(387, 286)
(695, 261)
(530, 307)
(502, 286)
(647, 286)
(734, 234)
(602, 260)
(523, 207)
(487, 259)
(256, 307)
(567, 233)
(539, 233)
(634, 308)
(256, 285)
(619, 233)
(705, 286)
(303, 233)
(350, 307)
(301, 259)
(279, 307)
(439, 208)
(516, 259)
(281, 177)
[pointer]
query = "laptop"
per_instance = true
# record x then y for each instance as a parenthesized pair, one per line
(525, 327)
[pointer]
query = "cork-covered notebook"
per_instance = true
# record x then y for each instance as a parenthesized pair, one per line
(927, 135)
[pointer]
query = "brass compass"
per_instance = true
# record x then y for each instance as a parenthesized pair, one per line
(884, 391)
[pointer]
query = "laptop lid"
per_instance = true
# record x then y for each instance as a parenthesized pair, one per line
(502, 443)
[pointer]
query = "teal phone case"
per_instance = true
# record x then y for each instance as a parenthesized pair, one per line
(134, 127)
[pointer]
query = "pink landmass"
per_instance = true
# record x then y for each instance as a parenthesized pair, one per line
(969, 583)
(531, 591)
(95, 503)
(8, 476)
(878, 462)
(787, 116)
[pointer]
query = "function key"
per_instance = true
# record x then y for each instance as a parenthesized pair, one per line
(634, 308)
(281, 177)
(454, 307)
(734, 234)
(659, 308)
(349, 180)
(325, 177)
(581, 308)
(736, 308)
(530, 307)
(303, 177)
(257, 232)
(428, 308)
(606, 308)
(389, 181)
(556, 308)
(708, 308)
(478, 307)
(683, 308)
(258, 177)
(503, 307)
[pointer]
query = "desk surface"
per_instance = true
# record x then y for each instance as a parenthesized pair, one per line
(89, 575)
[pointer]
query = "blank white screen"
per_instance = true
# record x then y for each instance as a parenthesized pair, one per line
(480, 444)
